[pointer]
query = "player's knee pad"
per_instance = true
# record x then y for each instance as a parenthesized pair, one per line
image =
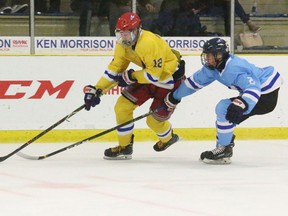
(221, 107)
(123, 105)
(123, 110)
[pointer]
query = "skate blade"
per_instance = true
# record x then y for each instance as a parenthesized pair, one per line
(217, 162)
(120, 157)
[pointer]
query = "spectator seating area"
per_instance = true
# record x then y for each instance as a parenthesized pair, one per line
(272, 17)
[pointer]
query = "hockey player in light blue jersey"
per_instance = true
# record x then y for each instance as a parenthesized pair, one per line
(258, 93)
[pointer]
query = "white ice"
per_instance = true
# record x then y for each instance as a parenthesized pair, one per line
(78, 182)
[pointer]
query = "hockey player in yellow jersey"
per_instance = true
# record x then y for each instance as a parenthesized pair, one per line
(161, 72)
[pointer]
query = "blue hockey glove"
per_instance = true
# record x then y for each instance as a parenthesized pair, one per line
(236, 109)
(92, 96)
(125, 78)
(170, 102)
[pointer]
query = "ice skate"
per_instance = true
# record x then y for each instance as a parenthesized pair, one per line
(160, 146)
(219, 155)
(120, 152)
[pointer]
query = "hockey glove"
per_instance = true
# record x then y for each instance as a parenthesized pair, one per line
(125, 78)
(92, 96)
(179, 74)
(236, 109)
(170, 102)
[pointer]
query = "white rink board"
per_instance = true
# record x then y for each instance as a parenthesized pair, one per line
(26, 113)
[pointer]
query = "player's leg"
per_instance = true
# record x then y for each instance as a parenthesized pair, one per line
(265, 104)
(124, 112)
(225, 138)
(158, 122)
(163, 130)
(132, 97)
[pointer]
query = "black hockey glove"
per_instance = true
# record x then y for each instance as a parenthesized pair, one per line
(236, 109)
(125, 78)
(170, 102)
(92, 96)
(180, 73)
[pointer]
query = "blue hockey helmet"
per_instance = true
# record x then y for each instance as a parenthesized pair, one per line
(219, 49)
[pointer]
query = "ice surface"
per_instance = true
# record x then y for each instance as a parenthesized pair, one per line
(78, 182)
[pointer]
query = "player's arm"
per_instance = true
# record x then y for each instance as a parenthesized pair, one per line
(115, 68)
(107, 80)
(194, 83)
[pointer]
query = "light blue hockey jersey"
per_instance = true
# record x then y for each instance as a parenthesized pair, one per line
(238, 74)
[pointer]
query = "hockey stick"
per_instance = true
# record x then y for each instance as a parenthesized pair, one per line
(3, 158)
(50, 128)
(89, 138)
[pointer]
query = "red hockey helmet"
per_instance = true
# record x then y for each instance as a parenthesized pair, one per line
(128, 21)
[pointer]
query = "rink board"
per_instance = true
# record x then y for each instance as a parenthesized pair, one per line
(38, 91)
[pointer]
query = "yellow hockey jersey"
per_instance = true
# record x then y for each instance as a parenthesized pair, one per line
(152, 54)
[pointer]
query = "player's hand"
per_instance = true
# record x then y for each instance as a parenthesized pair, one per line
(235, 110)
(125, 78)
(92, 96)
(170, 102)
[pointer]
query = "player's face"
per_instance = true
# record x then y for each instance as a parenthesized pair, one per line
(210, 59)
(125, 37)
